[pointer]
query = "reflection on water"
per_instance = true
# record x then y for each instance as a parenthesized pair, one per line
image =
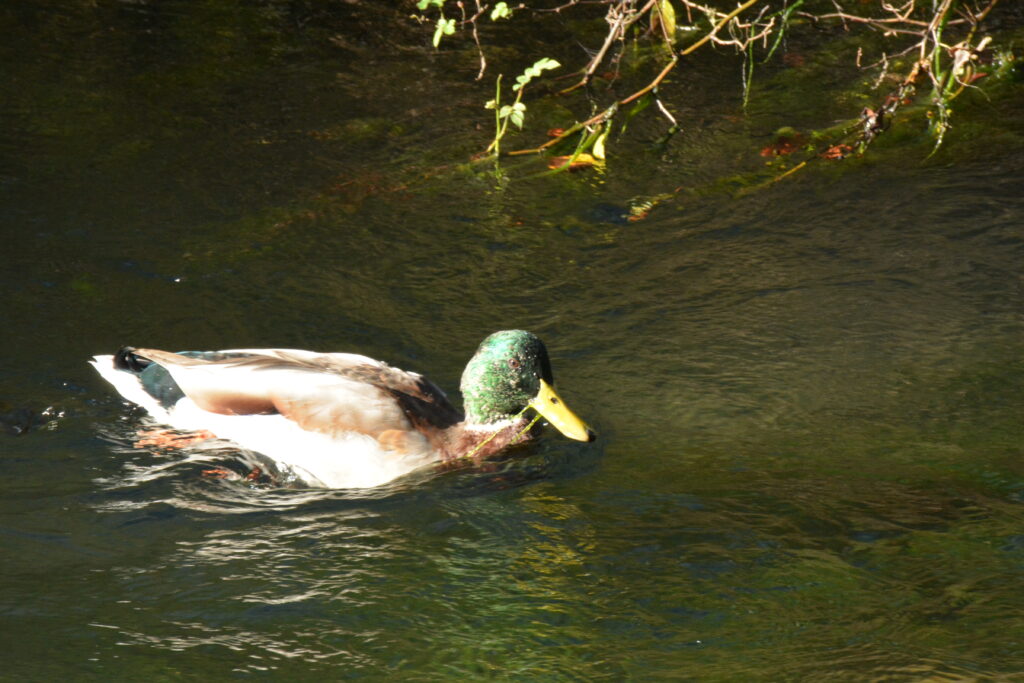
(809, 399)
(545, 582)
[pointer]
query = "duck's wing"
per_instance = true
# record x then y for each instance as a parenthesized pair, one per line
(328, 393)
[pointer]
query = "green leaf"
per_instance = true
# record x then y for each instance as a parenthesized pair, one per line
(546, 63)
(444, 27)
(424, 4)
(534, 71)
(500, 11)
(517, 118)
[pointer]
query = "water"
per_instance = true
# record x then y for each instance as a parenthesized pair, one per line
(808, 398)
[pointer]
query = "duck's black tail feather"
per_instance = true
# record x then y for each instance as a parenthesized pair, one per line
(126, 359)
(155, 379)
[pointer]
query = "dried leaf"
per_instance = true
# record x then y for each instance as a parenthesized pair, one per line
(580, 162)
(837, 152)
(783, 146)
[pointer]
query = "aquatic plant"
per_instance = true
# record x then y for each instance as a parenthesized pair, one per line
(516, 111)
(931, 50)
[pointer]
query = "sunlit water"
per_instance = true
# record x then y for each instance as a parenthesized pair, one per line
(809, 399)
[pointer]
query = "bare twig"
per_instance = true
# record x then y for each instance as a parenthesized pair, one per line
(619, 18)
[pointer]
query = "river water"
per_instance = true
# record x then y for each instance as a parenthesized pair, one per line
(808, 397)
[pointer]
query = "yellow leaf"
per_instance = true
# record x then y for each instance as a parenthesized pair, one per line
(598, 148)
(667, 15)
(580, 162)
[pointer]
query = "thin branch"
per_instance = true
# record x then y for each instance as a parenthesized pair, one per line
(708, 36)
(619, 21)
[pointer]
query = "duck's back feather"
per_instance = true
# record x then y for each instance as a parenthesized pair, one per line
(328, 393)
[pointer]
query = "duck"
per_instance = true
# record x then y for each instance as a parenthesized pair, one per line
(343, 420)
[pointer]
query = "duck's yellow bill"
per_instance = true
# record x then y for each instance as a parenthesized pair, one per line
(554, 410)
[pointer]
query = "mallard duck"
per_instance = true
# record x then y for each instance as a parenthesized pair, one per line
(341, 420)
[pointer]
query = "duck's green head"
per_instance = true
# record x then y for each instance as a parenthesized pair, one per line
(509, 372)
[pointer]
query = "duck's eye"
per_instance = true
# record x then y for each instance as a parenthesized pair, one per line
(513, 363)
